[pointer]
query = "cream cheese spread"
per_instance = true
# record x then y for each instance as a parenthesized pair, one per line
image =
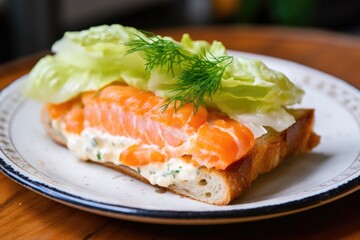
(101, 147)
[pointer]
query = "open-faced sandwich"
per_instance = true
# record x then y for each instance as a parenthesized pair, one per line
(180, 115)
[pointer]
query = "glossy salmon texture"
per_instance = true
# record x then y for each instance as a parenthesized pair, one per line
(204, 139)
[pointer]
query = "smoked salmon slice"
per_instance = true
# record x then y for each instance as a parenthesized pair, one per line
(210, 139)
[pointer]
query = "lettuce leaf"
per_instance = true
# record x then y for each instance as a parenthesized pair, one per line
(91, 59)
(256, 95)
(84, 61)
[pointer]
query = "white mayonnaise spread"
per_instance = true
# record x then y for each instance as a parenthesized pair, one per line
(102, 147)
(174, 171)
(97, 146)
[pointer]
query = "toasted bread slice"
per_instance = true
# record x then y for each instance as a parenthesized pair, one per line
(220, 187)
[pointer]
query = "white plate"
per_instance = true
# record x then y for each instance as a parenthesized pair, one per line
(29, 157)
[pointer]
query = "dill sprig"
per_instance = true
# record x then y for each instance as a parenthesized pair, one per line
(200, 75)
(200, 79)
(158, 52)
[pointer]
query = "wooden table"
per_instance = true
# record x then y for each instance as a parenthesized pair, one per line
(27, 215)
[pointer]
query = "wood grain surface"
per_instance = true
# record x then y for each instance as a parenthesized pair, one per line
(27, 215)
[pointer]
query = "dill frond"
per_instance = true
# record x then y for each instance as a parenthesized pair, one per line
(199, 80)
(158, 52)
(200, 76)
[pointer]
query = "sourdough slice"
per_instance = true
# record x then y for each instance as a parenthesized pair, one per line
(220, 187)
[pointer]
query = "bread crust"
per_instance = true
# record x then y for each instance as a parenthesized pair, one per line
(272, 149)
(268, 152)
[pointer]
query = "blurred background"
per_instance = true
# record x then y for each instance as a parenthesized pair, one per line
(29, 26)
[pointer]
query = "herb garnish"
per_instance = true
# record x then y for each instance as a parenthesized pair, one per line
(199, 77)
(171, 171)
(158, 52)
(93, 142)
